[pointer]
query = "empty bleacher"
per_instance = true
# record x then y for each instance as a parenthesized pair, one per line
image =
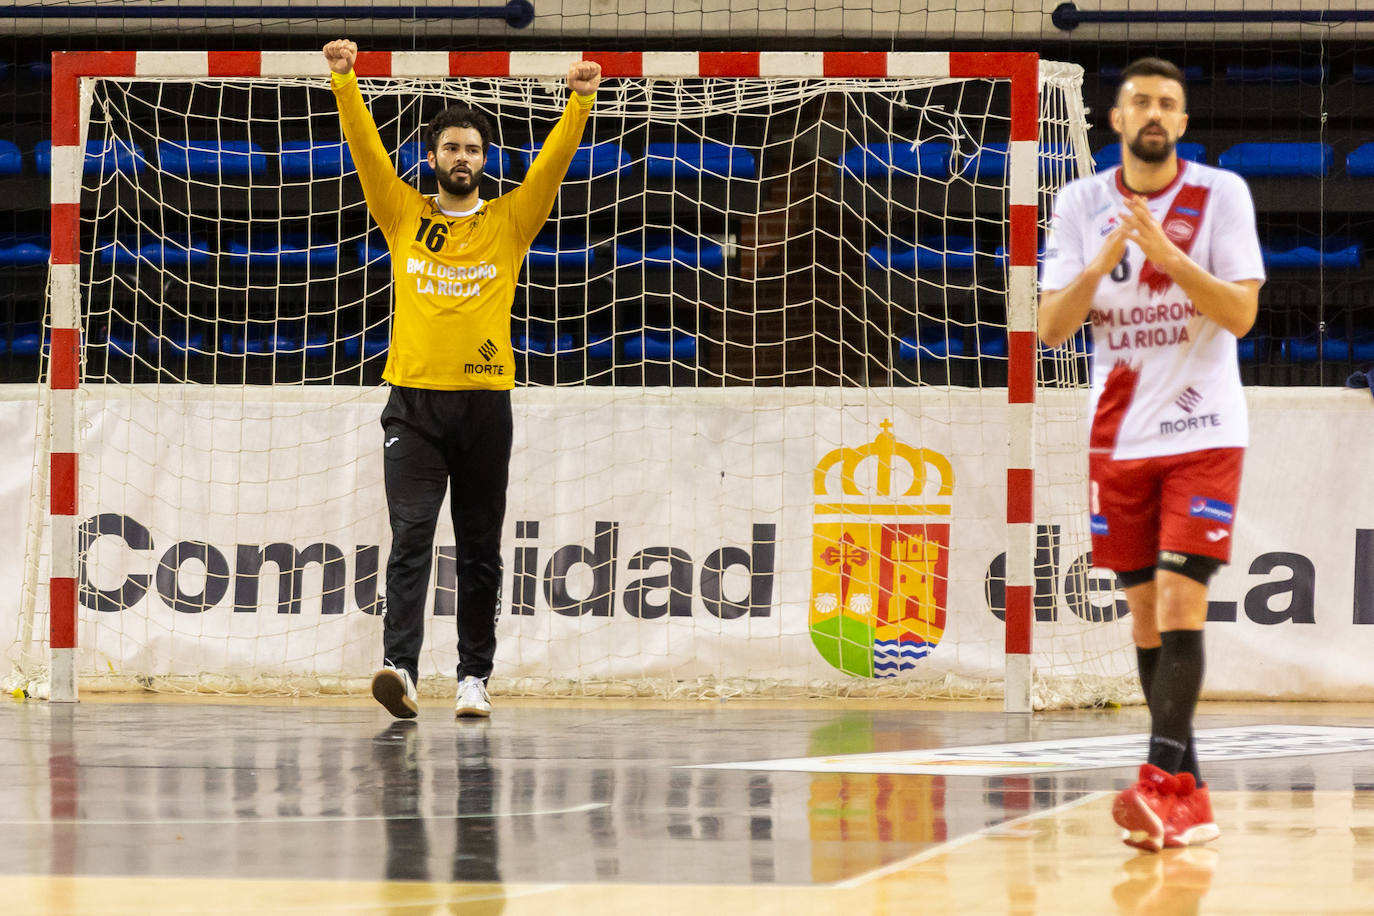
(651, 304)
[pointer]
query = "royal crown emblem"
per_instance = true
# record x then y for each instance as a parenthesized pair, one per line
(880, 559)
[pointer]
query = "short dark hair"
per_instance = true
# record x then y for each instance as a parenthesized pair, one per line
(1154, 66)
(456, 116)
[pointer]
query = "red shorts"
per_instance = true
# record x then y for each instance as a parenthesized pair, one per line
(1183, 503)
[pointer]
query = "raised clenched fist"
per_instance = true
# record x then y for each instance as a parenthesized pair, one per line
(341, 54)
(584, 76)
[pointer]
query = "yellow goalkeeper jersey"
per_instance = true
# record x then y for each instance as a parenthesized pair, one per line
(454, 276)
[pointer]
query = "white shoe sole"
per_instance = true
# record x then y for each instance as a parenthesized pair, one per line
(1142, 828)
(471, 712)
(1195, 835)
(389, 689)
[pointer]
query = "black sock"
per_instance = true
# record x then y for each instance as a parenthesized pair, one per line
(1173, 697)
(1189, 764)
(1147, 660)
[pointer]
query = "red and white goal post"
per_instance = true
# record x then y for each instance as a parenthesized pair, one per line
(729, 369)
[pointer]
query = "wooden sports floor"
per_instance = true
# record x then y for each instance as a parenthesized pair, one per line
(127, 805)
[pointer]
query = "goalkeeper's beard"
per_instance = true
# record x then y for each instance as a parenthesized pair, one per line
(457, 185)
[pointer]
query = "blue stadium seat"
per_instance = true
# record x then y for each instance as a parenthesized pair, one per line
(989, 163)
(119, 337)
(1275, 73)
(232, 342)
(1360, 162)
(270, 339)
(682, 251)
(940, 345)
(372, 250)
(315, 342)
(289, 251)
(1310, 349)
(23, 250)
(592, 160)
(698, 159)
(211, 158)
(1254, 348)
(661, 345)
(544, 343)
(414, 154)
(601, 347)
(23, 339)
(307, 159)
(549, 250)
(876, 161)
(102, 157)
(372, 343)
(1110, 155)
(1268, 159)
(11, 160)
(952, 253)
(992, 341)
(178, 342)
(1112, 72)
(912, 348)
(1335, 254)
(172, 252)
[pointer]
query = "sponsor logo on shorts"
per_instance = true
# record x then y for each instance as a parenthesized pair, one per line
(1217, 534)
(1177, 559)
(1098, 524)
(1202, 507)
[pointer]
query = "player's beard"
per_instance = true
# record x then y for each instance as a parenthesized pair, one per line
(1151, 154)
(458, 185)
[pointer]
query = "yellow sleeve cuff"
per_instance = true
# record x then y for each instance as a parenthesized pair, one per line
(584, 100)
(342, 79)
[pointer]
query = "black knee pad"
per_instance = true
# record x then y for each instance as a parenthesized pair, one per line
(1195, 566)
(1133, 577)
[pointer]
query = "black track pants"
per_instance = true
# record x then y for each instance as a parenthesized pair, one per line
(434, 441)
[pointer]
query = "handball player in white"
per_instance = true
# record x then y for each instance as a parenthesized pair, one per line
(1162, 257)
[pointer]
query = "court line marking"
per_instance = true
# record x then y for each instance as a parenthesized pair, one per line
(248, 821)
(951, 845)
(1019, 758)
(370, 906)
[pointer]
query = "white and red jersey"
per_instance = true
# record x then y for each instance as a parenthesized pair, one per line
(1165, 379)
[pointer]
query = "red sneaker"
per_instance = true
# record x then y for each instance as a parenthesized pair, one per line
(1190, 821)
(1144, 809)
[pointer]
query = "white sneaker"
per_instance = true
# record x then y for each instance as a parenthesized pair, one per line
(393, 688)
(472, 698)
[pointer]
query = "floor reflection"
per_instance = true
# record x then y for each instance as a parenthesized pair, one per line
(470, 803)
(1171, 883)
(468, 817)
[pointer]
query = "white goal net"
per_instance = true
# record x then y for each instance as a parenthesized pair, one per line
(762, 424)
